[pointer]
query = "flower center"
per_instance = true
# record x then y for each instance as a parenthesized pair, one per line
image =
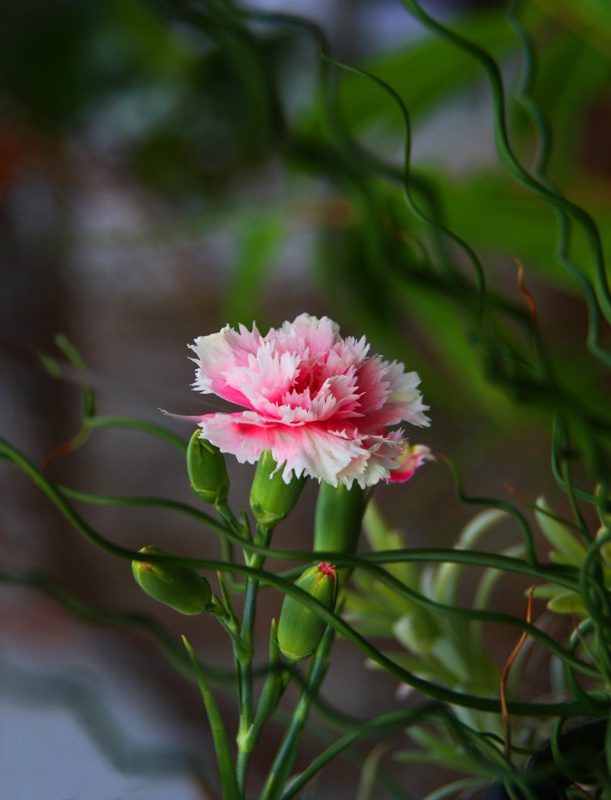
(309, 378)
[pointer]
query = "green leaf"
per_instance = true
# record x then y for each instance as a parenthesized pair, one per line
(423, 73)
(444, 752)
(559, 536)
(567, 603)
(367, 783)
(559, 600)
(445, 582)
(50, 364)
(492, 213)
(565, 102)
(219, 734)
(381, 537)
(416, 632)
(592, 17)
(260, 239)
(453, 351)
(428, 669)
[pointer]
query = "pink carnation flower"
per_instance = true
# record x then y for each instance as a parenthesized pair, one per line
(318, 402)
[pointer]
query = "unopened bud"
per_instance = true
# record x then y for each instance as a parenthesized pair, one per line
(181, 588)
(271, 498)
(207, 470)
(300, 629)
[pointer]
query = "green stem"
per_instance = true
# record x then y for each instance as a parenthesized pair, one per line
(276, 681)
(245, 655)
(138, 425)
(366, 562)
(285, 758)
(241, 529)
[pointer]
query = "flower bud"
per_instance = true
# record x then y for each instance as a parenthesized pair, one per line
(207, 470)
(271, 498)
(181, 588)
(300, 629)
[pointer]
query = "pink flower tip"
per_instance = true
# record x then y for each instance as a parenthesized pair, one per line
(411, 457)
(327, 569)
(317, 401)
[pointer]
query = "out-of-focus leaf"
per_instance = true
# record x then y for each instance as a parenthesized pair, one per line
(423, 73)
(559, 536)
(570, 74)
(591, 17)
(440, 750)
(445, 585)
(417, 632)
(59, 59)
(45, 64)
(381, 537)
(429, 670)
(375, 607)
(560, 602)
(135, 37)
(501, 217)
(567, 603)
(259, 242)
(454, 353)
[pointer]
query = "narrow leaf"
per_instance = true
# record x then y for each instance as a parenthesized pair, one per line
(229, 781)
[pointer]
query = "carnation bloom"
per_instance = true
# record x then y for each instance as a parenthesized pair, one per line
(318, 402)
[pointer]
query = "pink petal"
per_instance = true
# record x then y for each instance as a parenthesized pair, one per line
(309, 449)
(410, 459)
(318, 336)
(317, 401)
(403, 402)
(219, 354)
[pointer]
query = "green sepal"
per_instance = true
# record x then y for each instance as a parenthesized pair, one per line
(207, 470)
(300, 628)
(271, 499)
(181, 588)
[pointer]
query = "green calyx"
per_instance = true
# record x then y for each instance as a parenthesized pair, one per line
(207, 470)
(300, 629)
(271, 499)
(181, 588)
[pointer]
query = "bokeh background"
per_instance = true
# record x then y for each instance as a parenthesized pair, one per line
(163, 174)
